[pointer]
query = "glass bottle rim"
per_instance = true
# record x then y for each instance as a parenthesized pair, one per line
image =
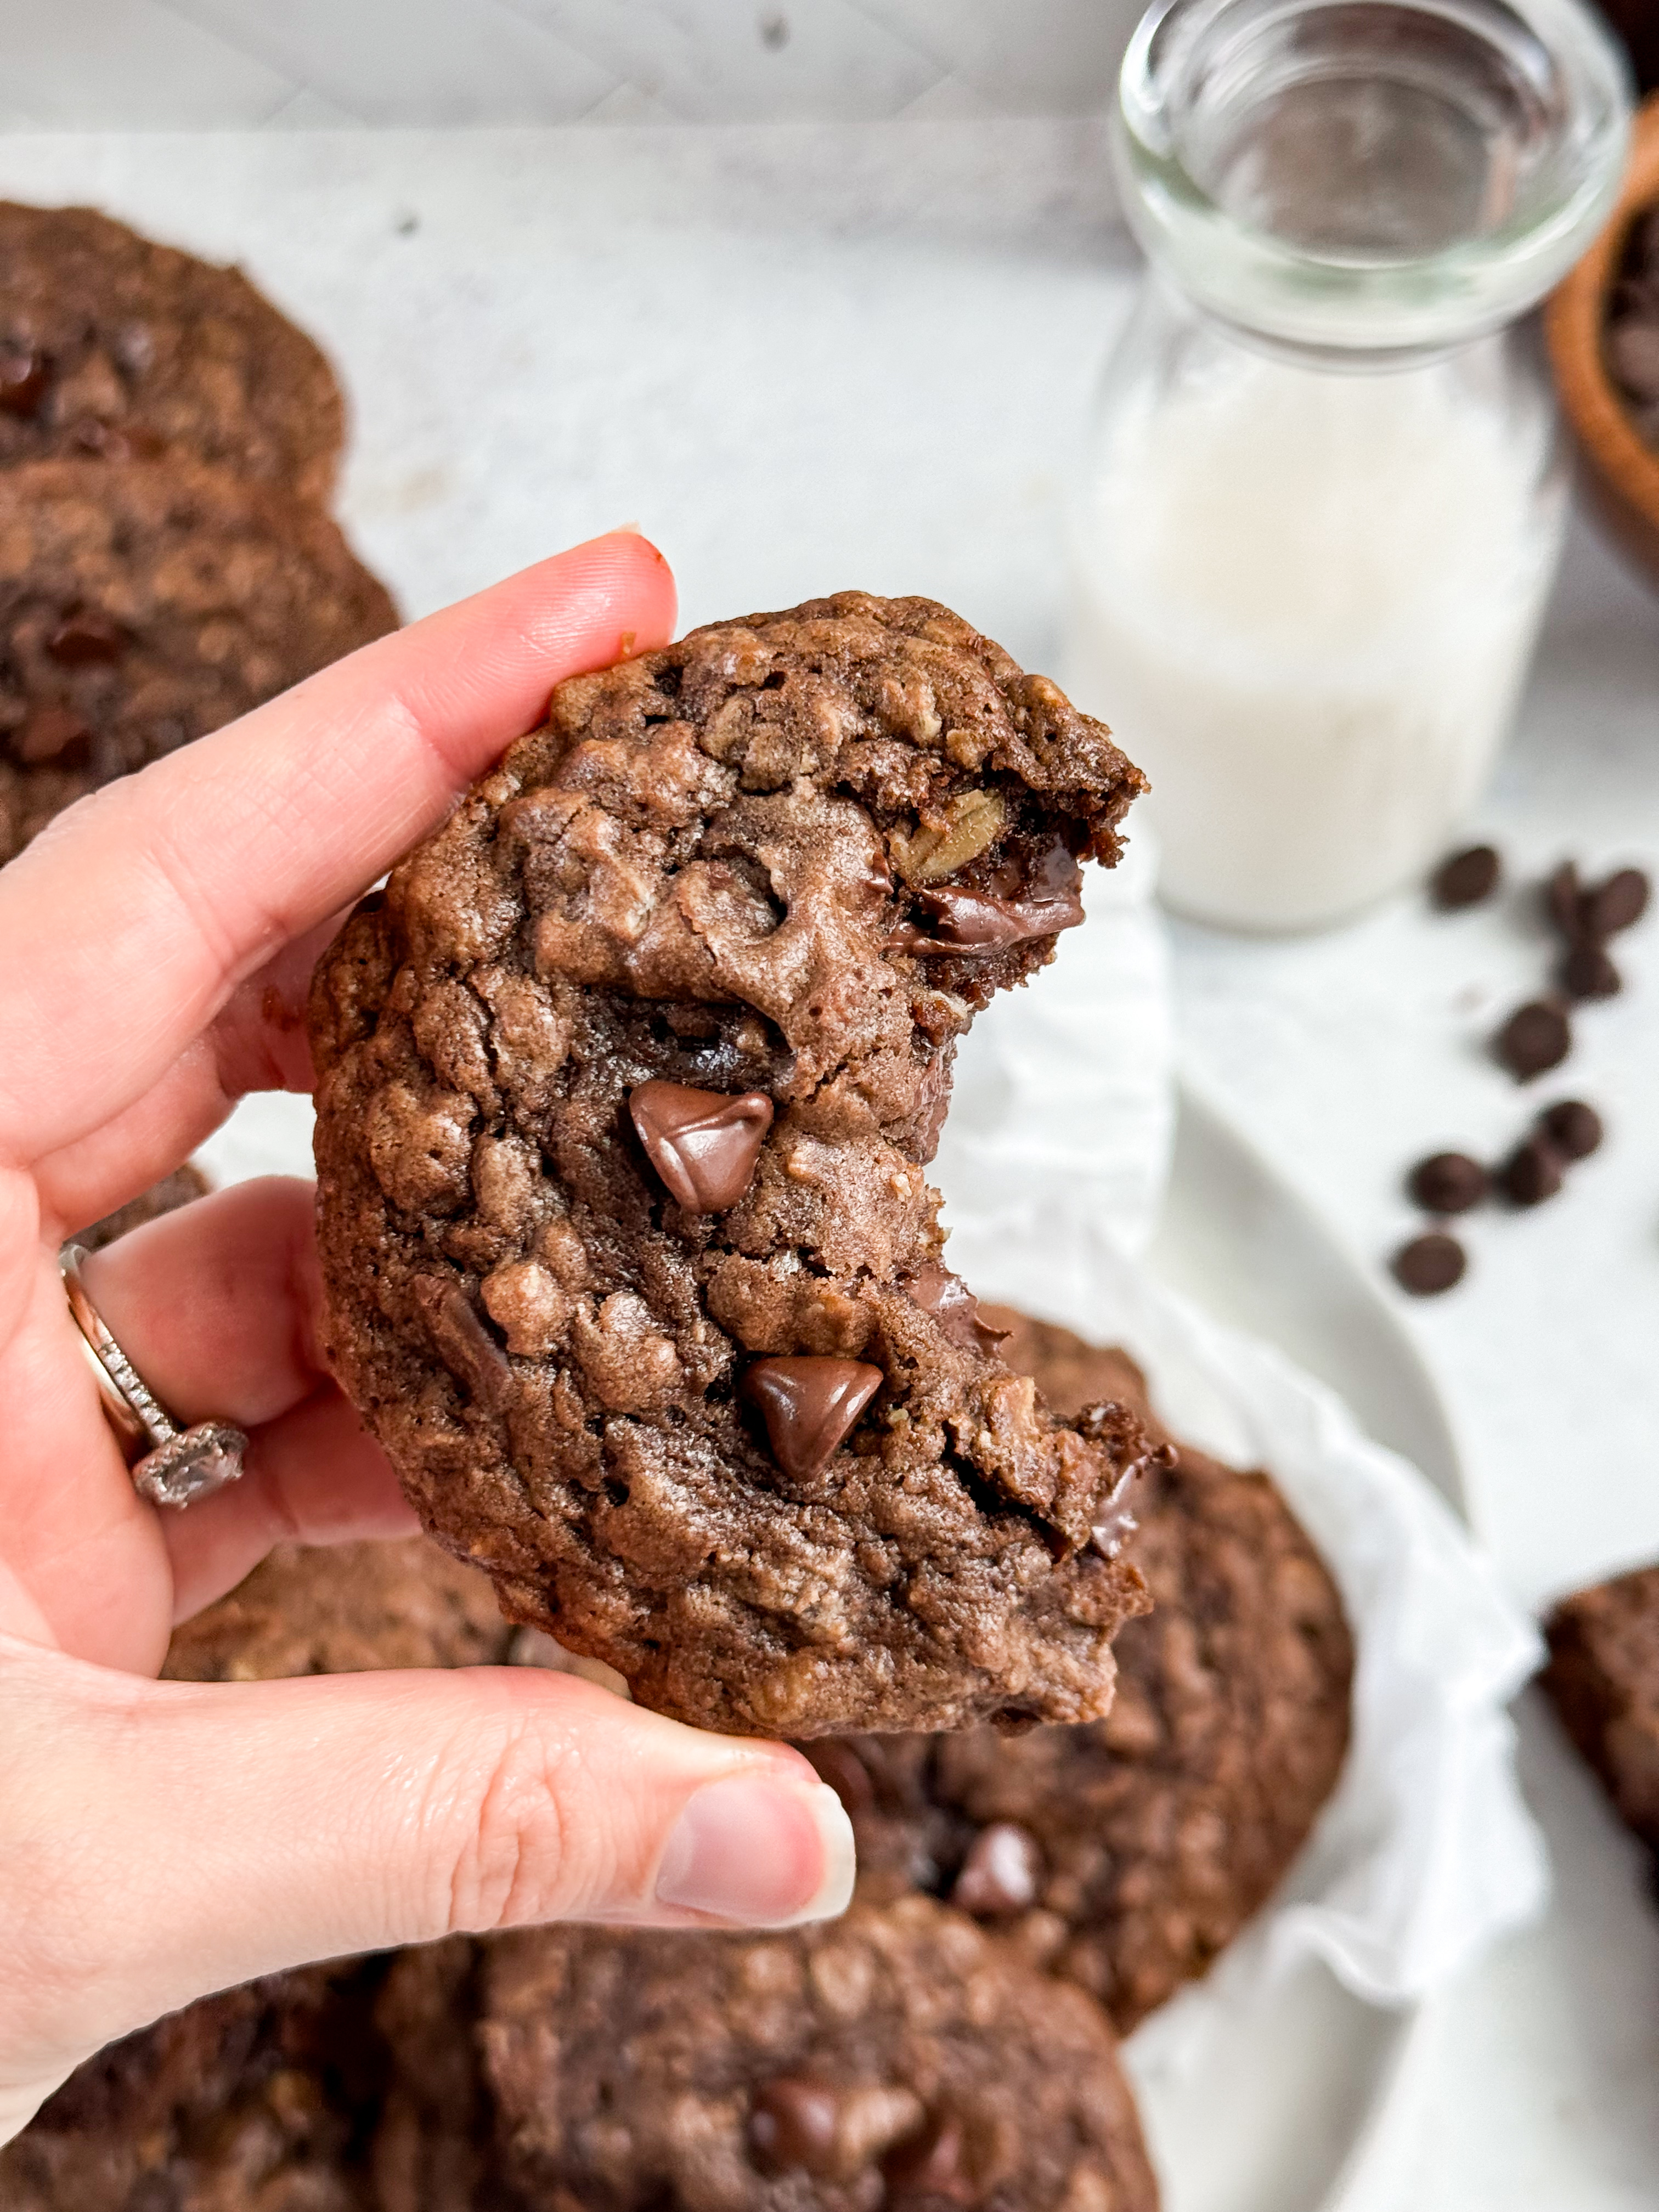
(1322, 296)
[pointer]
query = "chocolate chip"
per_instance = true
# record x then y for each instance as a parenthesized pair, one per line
(1532, 1173)
(87, 640)
(461, 1341)
(1587, 973)
(931, 2169)
(702, 1145)
(809, 1405)
(23, 378)
(1616, 904)
(1447, 1183)
(54, 732)
(1574, 1128)
(1465, 878)
(792, 2121)
(1428, 1264)
(1563, 898)
(1536, 1036)
(954, 1306)
(1002, 1872)
(979, 923)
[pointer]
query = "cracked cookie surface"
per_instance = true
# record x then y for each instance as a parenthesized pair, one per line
(1126, 1854)
(691, 1383)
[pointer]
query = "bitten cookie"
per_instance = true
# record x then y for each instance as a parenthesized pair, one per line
(1126, 1854)
(627, 1085)
(1603, 1679)
(115, 347)
(900, 2059)
(145, 604)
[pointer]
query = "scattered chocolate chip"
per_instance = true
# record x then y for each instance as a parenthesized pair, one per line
(87, 640)
(1532, 1172)
(930, 2170)
(1563, 899)
(1573, 1127)
(1428, 1264)
(954, 1306)
(1536, 1036)
(808, 1406)
(702, 1145)
(54, 732)
(1615, 905)
(1447, 1183)
(1586, 972)
(23, 379)
(792, 2121)
(1002, 1872)
(1465, 878)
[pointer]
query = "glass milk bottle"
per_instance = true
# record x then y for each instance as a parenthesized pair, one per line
(1324, 494)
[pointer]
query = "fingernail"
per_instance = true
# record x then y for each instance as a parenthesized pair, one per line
(759, 1853)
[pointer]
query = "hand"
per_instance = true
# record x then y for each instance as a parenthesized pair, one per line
(161, 1839)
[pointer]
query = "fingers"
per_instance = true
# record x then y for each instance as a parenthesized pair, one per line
(131, 921)
(258, 1826)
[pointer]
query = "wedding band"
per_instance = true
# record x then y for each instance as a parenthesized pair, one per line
(170, 1466)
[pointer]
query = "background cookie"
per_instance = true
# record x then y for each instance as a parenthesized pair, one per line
(146, 604)
(113, 346)
(1603, 1680)
(1126, 1854)
(627, 1085)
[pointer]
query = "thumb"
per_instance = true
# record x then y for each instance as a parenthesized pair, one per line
(161, 1839)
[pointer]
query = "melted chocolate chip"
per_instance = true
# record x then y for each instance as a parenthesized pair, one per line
(703, 1146)
(1587, 973)
(1428, 1264)
(1447, 1183)
(1532, 1173)
(1466, 879)
(24, 376)
(87, 640)
(1536, 1036)
(980, 923)
(808, 1406)
(1615, 905)
(931, 2169)
(54, 732)
(954, 1306)
(1002, 1872)
(463, 1343)
(1574, 1128)
(793, 2122)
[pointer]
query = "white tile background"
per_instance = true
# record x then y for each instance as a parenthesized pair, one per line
(225, 65)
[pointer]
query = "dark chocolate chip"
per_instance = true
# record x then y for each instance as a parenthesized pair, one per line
(463, 1343)
(954, 1306)
(1574, 1128)
(1119, 1515)
(54, 732)
(1001, 1874)
(87, 640)
(702, 1145)
(1532, 1172)
(931, 2170)
(1586, 972)
(793, 2122)
(979, 923)
(1428, 1264)
(23, 378)
(1563, 897)
(808, 1406)
(1536, 1036)
(1615, 905)
(1465, 878)
(1447, 1183)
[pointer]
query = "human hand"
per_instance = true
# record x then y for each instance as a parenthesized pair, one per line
(161, 1839)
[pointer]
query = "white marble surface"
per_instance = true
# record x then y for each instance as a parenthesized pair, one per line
(808, 359)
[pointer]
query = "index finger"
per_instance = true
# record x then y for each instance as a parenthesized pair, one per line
(127, 926)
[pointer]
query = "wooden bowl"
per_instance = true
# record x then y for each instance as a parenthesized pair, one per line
(1620, 471)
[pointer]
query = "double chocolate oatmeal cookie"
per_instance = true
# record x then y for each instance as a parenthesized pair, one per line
(1603, 1680)
(628, 1083)
(114, 347)
(900, 2060)
(146, 604)
(1127, 1853)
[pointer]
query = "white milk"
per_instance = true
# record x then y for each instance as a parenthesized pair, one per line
(1306, 603)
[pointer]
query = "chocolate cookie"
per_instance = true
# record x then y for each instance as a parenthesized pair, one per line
(1127, 1853)
(114, 347)
(146, 604)
(628, 1083)
(900, 2059)
(1603, 1679)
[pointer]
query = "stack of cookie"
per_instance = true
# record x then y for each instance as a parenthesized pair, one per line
(168, 444)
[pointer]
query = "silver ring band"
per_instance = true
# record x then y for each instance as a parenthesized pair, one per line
(170, 1466)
